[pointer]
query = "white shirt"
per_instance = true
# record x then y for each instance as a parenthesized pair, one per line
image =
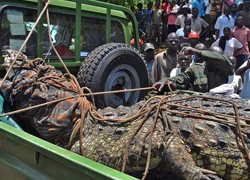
(232, 87)
(223, 22)
(245, 93)
(236, 81)
(231, 45)
(180, 32)
(175, 72)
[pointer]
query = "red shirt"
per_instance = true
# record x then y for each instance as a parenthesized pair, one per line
(165, 6)
(242, 35)
(63, 50)
(172, 15)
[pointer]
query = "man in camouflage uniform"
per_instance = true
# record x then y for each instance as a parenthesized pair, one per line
(200, 77)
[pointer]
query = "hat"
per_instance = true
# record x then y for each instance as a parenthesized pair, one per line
(193, 35)
(148, 46)
(185, 6)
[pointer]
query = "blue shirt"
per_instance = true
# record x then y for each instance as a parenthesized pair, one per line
(200, 5)
(149, 15)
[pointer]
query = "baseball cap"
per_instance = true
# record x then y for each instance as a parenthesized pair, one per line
(148, 46)
(193, 35)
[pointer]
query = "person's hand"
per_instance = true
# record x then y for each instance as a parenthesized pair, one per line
(158, 86)
(186, 50)
(167, 85)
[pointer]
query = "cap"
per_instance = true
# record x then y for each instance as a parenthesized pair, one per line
(185, 6)
(193, 34)
(148, 46)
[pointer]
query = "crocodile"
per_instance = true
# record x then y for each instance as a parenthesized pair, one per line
(185, 141)
(192, 136)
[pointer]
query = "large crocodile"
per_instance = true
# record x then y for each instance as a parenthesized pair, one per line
(186, 140)
(191, 136)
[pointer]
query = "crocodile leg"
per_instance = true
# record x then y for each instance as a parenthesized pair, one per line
(180, 162)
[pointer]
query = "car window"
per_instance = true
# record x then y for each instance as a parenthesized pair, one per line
(15, 26)
(93, 34)
(62, 30)
(17, 23)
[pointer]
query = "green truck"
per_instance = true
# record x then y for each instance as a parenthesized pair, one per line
(77, 28)
(93, 39)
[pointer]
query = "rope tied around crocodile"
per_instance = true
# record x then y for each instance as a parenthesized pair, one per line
(63, 121)
(58, 109)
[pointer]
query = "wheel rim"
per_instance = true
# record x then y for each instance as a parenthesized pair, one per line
(122, 77)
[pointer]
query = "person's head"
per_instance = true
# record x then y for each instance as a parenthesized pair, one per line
(216, 49)
(233, 8)
(227, 10)
(187, 21)
(239, 21)
(232, 59)
(185, 9)
(149, 51)
(218, 10)
(195, 12)
(227, 32)
(199, 46)
(194, 38)
(149, 5)
(140, 5)
(187, 30)
(172, 41)
(132, 8)
(171, 2)
(246, 4)
(157, 4)
(184, 61)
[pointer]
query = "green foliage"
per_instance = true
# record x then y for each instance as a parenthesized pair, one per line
(129, 3)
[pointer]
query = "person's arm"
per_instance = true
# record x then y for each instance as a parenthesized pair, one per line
(217, 28)
(238, 46)
(217, 32)
(215, 59)
(205, 28)
(181, 81)
(178, 22)
(242, 69)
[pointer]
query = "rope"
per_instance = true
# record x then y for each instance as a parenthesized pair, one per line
(157, 104)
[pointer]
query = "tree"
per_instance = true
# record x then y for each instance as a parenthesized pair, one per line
(128, 3)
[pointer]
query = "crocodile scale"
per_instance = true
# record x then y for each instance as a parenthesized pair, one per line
(181, 144)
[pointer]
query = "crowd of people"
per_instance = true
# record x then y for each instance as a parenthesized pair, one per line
(189, 62)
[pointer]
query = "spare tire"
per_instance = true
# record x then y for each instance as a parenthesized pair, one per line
(114, 66)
